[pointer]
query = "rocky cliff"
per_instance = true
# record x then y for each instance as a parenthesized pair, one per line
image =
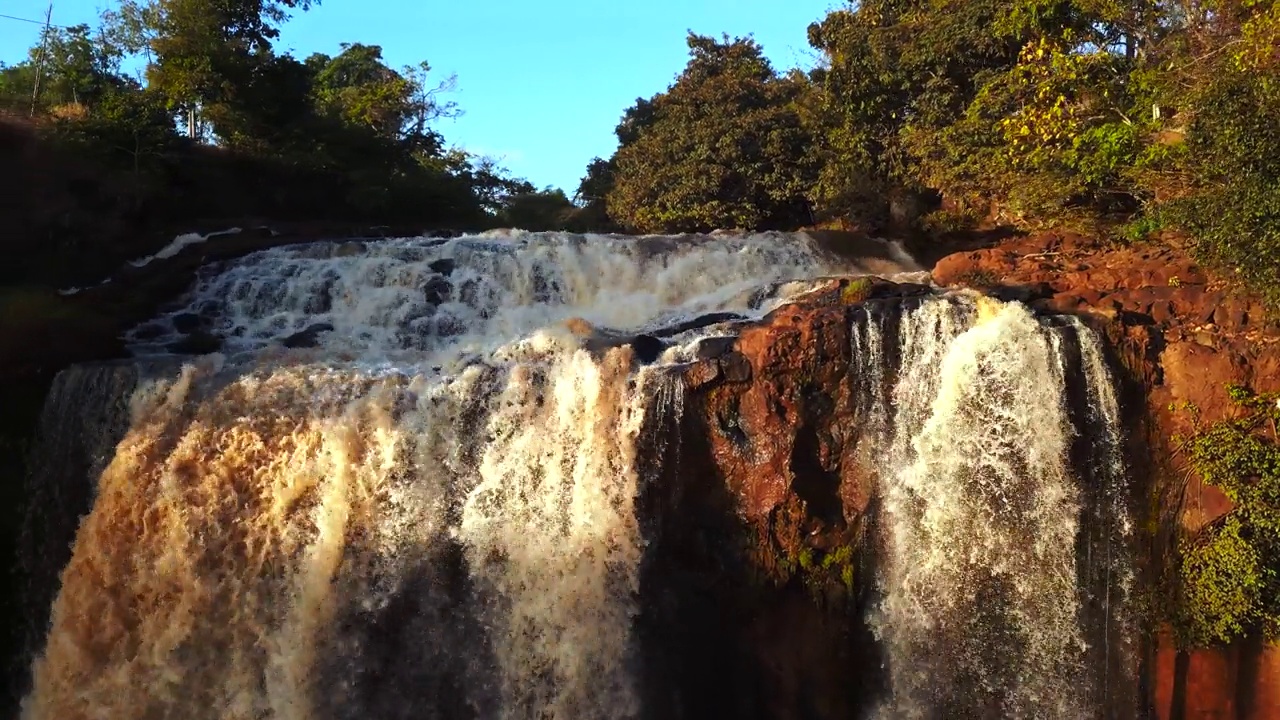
(767, 441)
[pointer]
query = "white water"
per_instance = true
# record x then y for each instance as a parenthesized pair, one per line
(392, 300)
(982, 611)
(427, 509)
(181, 242)
(430, 509)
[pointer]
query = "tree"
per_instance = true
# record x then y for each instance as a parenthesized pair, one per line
(203, 54)
(79, 68)
(539, 210)
(359, 89)
(722, 147)
(75, 69)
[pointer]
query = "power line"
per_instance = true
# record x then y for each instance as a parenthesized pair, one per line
(33, 22)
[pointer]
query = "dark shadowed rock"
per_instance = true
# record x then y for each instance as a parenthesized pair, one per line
(349, 249)
(448, 326)
(199, 342)
(699, 322)
(735, 367)
(307, 338)
(186, 322)
(1021, 293)
(444, 266)
(437, 290)
(713, 347)
(647, 348)
(895, 290)
(150, 331)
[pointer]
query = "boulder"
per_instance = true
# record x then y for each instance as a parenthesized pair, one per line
(198, 342)
(437, 290)
(443, 266)
(308, 338)
(697, 323)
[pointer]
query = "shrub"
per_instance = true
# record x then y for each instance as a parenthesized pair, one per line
(1229, 573)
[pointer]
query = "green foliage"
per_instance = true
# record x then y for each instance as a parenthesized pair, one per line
(1230, 572)
(1233, 166)
(819, 569)
(856, 291)
(547, 209)
(722, 147)
(332, 137)
(1129, 117)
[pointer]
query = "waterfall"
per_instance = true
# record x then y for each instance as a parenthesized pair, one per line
(987, 608)
(406, 485)
(403, 488)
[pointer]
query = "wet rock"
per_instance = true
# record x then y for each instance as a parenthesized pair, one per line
(697, 323)
(308, 338)
(261, 232)
(469, 293)
(579, 326)
(1064, 302)
(647, 348)
(1021, 293)
(187, 322)
(448, 326)
(199, 342)
(544, 289)
(350, 249)
(444, 266)
(150, 331)
(887, 289)
(700, 374)
(735, 367)
(437, 290)
(713, 347)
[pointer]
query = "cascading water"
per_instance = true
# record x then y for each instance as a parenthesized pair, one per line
(406, 486)
(989, 607)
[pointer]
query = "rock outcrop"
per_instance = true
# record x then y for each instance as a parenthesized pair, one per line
(754, 493)
(765, 479)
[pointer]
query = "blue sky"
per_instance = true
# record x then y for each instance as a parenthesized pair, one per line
(542, 84)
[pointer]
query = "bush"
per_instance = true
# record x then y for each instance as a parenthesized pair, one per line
(1233, 166)
(1229, 573)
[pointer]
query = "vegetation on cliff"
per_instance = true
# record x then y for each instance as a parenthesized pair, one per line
(1132, 116)
(1229, 573)
(220, 125)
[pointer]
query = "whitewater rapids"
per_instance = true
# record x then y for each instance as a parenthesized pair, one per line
(449, 457)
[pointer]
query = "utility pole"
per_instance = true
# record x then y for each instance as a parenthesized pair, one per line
(44, 43)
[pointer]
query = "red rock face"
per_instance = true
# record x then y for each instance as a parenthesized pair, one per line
(732, 624)
(1237, 683)
(1181, 337)
(767, 474)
